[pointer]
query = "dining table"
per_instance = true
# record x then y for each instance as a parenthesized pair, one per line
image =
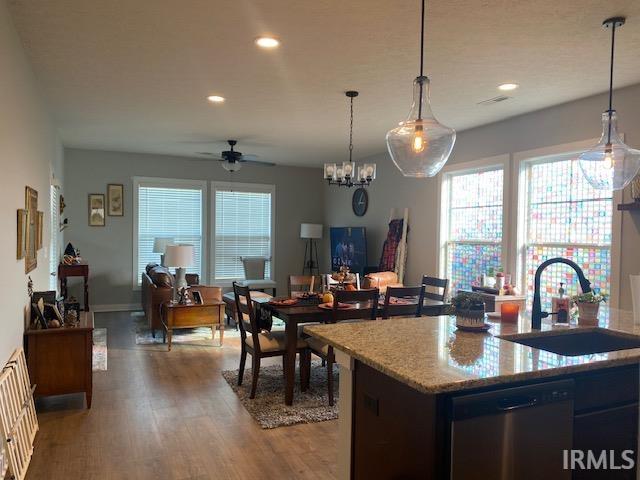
(306, 312)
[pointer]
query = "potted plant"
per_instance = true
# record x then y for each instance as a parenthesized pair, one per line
(468, 308)
(588, 306)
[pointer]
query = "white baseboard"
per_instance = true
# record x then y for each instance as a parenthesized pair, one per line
(116, 307)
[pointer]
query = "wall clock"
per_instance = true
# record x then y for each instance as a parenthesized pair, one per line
(360, 202)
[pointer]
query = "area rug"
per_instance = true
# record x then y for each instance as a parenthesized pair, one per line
(192, 336)
(268, 407)
(99, 358)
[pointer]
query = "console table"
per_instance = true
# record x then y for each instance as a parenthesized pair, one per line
(75, 270)
(60, 359)
(208, 314)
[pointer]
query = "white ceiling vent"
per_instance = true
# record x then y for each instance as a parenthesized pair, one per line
(491, 101)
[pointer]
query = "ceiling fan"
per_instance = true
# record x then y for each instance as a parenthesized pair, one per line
(232, 160)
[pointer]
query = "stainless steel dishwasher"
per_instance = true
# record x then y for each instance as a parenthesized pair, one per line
(512, 433)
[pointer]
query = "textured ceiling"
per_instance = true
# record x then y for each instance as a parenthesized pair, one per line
(133, 74)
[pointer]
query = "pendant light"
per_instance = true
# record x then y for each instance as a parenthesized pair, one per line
(611, 164)
(420, 146)
(346, 175)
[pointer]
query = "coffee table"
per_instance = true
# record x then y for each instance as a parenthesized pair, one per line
(176, 316)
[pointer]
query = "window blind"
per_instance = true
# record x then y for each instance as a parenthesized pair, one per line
(169, 211)
(54, 254)
(242, 229)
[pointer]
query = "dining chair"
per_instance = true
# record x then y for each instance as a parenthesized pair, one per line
(409, 301)
(367, 309)
(261, 344)
(436, 289)
(300, 284)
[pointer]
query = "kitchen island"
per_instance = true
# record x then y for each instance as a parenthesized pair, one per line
(402, 389)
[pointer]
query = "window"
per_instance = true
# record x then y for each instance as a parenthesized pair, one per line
(167, 208)
(243, 227)
(472, 213)
(54, 228)
(565, 217)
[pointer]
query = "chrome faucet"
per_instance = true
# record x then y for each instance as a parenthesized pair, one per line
(537, 314)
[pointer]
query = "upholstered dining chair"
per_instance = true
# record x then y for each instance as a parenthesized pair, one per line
(436, 289)
(261, 344)
(403, 301)
(367, 309)
(254, 271)
(300, 284)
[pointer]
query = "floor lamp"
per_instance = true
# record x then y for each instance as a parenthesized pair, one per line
(311, 232)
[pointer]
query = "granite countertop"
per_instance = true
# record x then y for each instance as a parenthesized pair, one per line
(430, 355)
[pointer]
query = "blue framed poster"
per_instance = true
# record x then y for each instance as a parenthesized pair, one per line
(348, 247)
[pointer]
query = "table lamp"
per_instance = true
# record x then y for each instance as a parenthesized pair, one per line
(311, 232)
(160, 245)
(179, 257)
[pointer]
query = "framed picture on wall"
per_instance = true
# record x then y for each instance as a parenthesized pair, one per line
(96, 210)
(22, 234)
(40, 231)
(348, 248)
(115, 200)
(31, 235)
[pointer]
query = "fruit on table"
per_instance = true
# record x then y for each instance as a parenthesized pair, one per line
(350, 287)
(327, 298)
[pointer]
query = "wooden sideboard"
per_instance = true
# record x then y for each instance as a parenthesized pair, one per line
(60, 360)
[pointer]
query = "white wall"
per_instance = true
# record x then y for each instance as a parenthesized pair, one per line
(108, 250)
(30, 153)
(570, 122)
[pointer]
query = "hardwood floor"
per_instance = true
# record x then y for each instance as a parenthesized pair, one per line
(170, 415)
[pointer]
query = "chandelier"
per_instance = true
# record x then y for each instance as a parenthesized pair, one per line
(346, 174)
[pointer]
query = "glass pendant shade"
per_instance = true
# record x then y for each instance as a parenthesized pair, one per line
(231, 166)
(610, 165)
(420, 146)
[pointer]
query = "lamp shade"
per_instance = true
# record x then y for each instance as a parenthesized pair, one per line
(179, 256)
(310, 230)
(160, 244)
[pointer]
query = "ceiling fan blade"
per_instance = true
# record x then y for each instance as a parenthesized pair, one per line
(248, 157)
(208, 156)
(258, 162)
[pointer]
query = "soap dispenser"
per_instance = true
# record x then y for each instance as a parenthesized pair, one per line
(560, 306)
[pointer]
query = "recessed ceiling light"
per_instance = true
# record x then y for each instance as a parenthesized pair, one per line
(267, 42)
(507, 87)
(215, 98)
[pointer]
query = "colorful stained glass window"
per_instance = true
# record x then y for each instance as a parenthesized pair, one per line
(475, 226)
(566, 217)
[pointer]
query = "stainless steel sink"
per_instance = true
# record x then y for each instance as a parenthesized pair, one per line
(577, 342)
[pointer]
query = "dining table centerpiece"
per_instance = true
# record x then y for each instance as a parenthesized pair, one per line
(343, 277)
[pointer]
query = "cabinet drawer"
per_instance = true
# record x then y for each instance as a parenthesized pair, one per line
(606, 388)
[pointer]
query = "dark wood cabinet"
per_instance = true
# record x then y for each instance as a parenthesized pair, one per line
(606, 419)
(400, 433)
(394, 431)
(614, 429)
(60, 359)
